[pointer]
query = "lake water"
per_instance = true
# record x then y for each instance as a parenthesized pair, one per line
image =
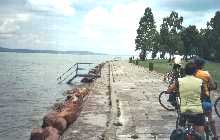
(28, 88)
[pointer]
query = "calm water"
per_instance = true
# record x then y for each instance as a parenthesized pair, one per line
(28, 88)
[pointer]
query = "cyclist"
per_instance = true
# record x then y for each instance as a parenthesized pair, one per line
(177, 73)
(189, 89)
(177, 61)
(208, 85)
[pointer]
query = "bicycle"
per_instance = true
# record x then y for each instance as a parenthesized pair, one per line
(188, 131)
(172, 75)
(164, 97)
(208, 130)
(217, 106)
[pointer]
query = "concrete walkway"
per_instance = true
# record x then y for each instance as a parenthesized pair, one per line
(124, 105)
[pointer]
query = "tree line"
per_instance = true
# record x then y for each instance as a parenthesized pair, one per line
(173, 37)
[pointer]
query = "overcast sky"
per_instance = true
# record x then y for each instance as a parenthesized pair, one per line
(105, 26)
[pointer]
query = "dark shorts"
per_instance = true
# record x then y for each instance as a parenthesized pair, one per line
(196, 119)
(176, 67)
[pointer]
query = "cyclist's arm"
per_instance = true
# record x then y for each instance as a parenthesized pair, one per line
(172, 88)
(212, 85)
(203, 90)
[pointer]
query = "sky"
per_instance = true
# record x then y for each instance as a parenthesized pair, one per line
(102, 26)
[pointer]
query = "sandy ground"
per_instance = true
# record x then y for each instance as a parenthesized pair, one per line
(123, 105)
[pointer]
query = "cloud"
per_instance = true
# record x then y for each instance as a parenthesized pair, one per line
(11, 24)
(191, 5)
(62, 7)
(14, 2)
(23, 17)
(9, 27)
(115, 27)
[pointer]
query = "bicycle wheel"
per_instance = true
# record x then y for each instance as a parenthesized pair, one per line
(163, 100)
(217, 106)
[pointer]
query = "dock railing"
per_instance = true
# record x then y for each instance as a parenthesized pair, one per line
(73, 72)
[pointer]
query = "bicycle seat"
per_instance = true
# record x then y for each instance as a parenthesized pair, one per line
(188, 117)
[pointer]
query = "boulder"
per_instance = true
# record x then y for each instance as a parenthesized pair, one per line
(53, 119)
(37, 134)
(52, 133)
(69, 115)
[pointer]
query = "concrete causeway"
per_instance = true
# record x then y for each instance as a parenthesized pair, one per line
(123, 105)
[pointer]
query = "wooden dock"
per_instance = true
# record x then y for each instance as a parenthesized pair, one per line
(74, 70)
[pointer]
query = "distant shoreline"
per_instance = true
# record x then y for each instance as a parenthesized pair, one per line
(49, 51)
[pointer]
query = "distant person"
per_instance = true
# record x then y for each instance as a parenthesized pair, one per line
(177, 61)
(208, 85)
(189, 90)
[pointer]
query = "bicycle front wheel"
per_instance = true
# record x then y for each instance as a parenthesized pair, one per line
(163, 100)
(217, 106)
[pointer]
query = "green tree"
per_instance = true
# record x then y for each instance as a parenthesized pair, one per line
(164, 38)
(146, 34)
(214, 37)
(206, 48)
(215, 22)
(155, 45)
(190, 37)
(210, 39)
(170, 34)
(203, 43)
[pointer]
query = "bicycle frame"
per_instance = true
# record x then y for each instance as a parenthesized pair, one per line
(178, 102)
(189, 132)
(216, 106)
(208, 131)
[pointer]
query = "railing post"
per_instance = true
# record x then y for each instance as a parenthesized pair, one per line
(77, 66)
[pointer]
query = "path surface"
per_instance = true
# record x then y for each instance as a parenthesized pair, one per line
(124, 105)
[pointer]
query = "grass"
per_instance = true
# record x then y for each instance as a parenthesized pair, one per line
(214, 68)
(162, 66)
